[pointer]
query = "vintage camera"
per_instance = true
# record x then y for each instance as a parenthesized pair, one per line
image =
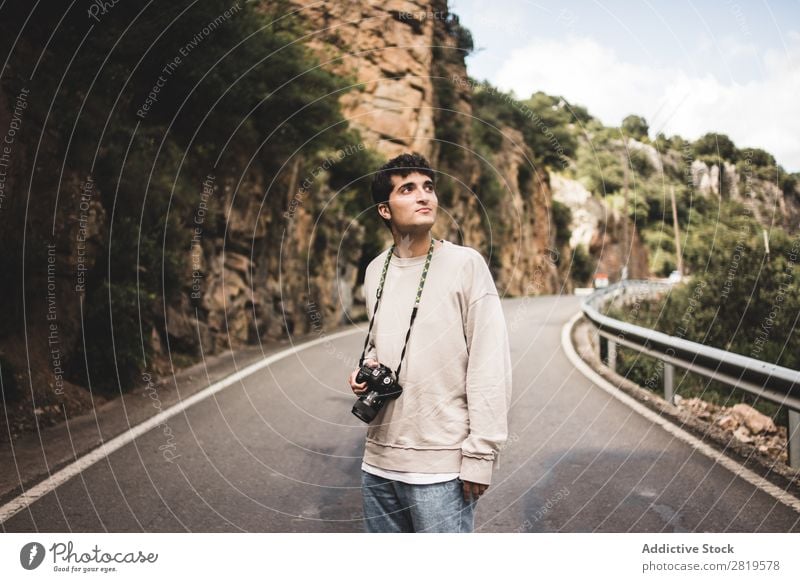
(381, 387)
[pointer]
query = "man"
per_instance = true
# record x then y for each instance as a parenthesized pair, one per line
(430, 453)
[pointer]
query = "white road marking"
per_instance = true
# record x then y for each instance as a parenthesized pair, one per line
(59, 478)
(674, 430)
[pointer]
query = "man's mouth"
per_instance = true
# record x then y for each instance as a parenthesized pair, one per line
(424, 210)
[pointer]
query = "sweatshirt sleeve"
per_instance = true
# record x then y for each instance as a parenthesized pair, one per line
(488, 382)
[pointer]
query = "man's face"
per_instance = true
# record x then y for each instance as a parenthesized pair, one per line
(412, 203)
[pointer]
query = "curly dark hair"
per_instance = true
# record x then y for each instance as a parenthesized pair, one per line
(402, 166)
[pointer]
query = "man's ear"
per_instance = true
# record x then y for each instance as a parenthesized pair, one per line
(384, 211)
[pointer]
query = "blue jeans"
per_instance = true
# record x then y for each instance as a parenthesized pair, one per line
(394, 506)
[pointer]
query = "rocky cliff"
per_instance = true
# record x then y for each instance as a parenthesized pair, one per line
(602, 231)
(281, 253)
(768, 203)
(413, 95)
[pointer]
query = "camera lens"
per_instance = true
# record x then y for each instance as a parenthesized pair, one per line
(363, 411)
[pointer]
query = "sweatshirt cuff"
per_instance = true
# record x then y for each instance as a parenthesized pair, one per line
(476, 470)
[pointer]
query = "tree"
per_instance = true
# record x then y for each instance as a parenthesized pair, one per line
(636, 127)
(713, 147)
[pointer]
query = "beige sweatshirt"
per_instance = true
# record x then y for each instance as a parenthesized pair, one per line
(456, 376)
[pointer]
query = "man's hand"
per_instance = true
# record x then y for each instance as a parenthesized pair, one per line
(359, 389)
(474, 490)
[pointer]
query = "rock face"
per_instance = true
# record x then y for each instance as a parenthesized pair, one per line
(284, 261)
(385, 48)
(764, 197)
(648, 150)
(40, 322)
(601, 230)
(522, 244)
(394, 51)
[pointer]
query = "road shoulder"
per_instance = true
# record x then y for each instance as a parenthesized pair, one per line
(582, 339)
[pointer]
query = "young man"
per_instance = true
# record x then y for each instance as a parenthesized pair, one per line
(430, 453)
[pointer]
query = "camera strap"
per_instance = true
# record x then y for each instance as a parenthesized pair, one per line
(413, 311)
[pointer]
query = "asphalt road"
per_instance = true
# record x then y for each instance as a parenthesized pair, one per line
(281, 452)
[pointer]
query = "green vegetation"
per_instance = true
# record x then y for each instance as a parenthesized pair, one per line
(582, 266)
(713, 147)
(567, 139)
(168, 98)
(744, 300)
(562, 216)
(461, 33)
(243, 98)
(734, 286)
(636, 127)
(741, 299)
(544, 121)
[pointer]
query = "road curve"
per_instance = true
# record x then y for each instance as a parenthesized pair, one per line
(280, 451)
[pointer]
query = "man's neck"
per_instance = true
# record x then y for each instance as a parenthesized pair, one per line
(408, 245)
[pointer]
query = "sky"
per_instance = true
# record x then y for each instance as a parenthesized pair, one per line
(687, 67)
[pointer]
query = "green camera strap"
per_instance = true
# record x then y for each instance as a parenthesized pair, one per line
(413, 311)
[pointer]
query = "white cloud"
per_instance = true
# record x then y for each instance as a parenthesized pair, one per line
(759, 113)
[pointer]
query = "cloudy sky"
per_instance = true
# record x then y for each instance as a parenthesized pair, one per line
(687, 67)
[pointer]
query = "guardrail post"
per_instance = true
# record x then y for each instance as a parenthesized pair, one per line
(794, 439)
(669, 376)
(602, 344)
(612, 355)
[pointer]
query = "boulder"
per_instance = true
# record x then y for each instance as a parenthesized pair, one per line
(743, 435)
(755, 422)
(728, 422)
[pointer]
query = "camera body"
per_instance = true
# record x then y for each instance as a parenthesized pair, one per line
(381, 387)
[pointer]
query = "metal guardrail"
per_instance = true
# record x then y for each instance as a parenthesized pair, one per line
(769, 381)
